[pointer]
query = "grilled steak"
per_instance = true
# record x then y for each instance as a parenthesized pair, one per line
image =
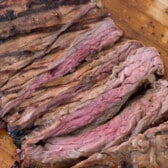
(137, 117)
(144, 150)
(70, 88)
(84, 78)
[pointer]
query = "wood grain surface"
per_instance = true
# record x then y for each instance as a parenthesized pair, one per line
(146, 21)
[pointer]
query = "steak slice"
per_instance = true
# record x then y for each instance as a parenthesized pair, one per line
(146, 109)
(34, 45)
(84, 78)
(15, 71)
(128, 76)
(143, 150)
(102, 34)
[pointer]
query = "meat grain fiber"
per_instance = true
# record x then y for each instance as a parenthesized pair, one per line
(15, 57)
(143, 150)
(101, 35)
(22, 55)
(123, 82)
(134, 119)
(97, 70)
(84, 78)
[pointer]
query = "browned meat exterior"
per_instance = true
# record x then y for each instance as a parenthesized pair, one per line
(144, 150)
(11, 10)
(18, 82)
(137, 117)
(25, 7)
(84, 78)
(18, 18)
(21, 51)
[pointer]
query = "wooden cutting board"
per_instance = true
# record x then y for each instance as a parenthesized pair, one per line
(146, 21)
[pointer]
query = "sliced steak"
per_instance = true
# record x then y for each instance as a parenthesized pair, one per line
(146, 109)
(87, 76)
(11, 10)
(144, 150)
(84, 78)
(128, 76)
(36, 45)
(102, 34)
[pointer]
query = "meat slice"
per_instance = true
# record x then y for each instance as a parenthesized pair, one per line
(14, 65)
(137, 117)
(33, 45)
(83, 78)
(128, 76)
(144, 150)
(102, 34)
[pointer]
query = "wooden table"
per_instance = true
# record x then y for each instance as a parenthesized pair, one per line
(146, 21)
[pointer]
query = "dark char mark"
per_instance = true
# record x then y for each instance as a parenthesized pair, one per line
(16, 135)
(10, 15)
(74, 2)
(16, 165)
(18, 53)
(14, 31)
(162, 132)
(124, 164)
